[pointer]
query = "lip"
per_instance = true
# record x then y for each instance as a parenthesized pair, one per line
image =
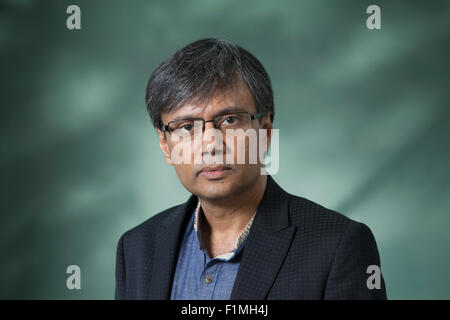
(214, 172)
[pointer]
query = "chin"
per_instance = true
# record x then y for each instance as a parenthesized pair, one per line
(215, 190)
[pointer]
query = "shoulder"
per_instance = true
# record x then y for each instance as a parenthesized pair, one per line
(146, 230)
(305, 210)
(321, 222)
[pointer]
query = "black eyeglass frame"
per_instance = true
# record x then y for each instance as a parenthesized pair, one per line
(253, 116)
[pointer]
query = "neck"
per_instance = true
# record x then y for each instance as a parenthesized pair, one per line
(230, 216)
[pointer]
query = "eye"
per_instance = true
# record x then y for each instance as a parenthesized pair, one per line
(182, 126)
(231, 120)
(187, 127)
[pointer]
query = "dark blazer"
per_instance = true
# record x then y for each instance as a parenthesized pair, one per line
(296, 249)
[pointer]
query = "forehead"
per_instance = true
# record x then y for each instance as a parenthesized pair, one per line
(238, 96)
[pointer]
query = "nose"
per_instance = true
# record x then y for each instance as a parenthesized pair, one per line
(211, 126)
(212, 139)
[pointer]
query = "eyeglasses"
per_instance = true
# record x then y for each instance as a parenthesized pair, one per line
(236, 120)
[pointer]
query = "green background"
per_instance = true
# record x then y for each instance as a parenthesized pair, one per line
(363, 118)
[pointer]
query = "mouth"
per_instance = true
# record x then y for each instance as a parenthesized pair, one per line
(214, 172)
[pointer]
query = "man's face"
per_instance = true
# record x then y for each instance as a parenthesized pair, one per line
(215, 181)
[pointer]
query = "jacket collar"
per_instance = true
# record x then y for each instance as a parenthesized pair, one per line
(266, 246)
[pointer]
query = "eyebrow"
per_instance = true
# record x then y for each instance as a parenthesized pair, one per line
(228, 109)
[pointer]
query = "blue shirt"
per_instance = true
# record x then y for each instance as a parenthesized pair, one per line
(197, 276)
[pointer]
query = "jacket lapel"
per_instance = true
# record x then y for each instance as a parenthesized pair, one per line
(265, 248)
(267, 244)
(167, 244)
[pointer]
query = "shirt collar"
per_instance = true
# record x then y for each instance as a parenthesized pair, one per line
(239, 240)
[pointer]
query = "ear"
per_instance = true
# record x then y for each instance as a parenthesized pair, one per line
(267, 124)
(164, 146)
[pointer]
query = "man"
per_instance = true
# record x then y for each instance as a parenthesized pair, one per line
(239, 235)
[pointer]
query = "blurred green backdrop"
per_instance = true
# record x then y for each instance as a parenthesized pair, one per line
(363, 118)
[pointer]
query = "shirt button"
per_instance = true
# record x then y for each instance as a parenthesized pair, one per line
(208, 279)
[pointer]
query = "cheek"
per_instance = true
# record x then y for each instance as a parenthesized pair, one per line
(237, 149)
(185, 173)
(243, 151)
(182, 152)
